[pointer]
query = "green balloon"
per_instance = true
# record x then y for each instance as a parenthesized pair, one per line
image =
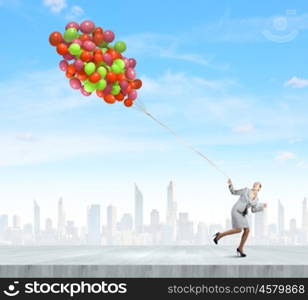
(89, 68)
(103, 45)
(102, 71)
(116, 68)
(89, 86)
(101, 85)
(120, 46)
(115, 90)
(74, 49)
(120, 62)
(70, 34)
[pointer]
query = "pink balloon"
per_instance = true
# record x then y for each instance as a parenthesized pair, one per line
(72, 25)
(130, 74)
(132, 62)
(108, 59)
(63, 65)
(132, 95)
(126, 61)
(124, 85)
(75, 83)
(83, 92)
(78, 64)
(88, 45)
(78, 41)
(68, 56)
(108, 36)
(107, 89)
(87, 26)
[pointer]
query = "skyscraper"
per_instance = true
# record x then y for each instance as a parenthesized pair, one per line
(260, 224)
(126, 223)
(4, 224)
(111, 223)
(61, 218)
(280, 219)
(171, 210)
(16, 222)
(185, 229)
(94, 225)
(138, 210)
(305, 215)
(36, 219)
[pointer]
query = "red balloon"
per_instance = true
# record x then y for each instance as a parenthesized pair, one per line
(100, 93)
(69, 74)
(128, 102)
(114, 54)
(109, 99)
(71, 69)
(111, 77)
(55, 38)
(95, 77)
(98, 58)
(86, 56)
(98, 38)
(119, 96)
(82, 75)
(85, 37)
(62, 49)
(98, 30)
(121, 77)
(137, 84)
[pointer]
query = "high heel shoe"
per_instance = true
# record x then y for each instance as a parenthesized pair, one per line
(215, 240)
(239, 252)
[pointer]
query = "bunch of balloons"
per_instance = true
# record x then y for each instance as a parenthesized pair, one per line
(92, 64)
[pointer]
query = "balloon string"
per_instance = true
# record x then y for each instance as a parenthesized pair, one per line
(183, 141)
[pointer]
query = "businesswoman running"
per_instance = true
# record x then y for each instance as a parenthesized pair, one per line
(248, 199)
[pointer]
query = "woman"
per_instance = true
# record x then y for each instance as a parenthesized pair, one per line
(248, 198)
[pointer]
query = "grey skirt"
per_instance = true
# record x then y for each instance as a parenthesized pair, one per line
(238, 220)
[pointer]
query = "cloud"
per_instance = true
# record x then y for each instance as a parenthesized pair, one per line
(75, 13)
(166, 46)
(246, 128)
(296, 82)
(285, 155)
(56, 6)
(29, 149)
(302, 164)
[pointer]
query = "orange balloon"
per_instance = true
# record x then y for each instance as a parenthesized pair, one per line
(98, 30)
(114, 54)
(98, 51)
(100, 93)
(109, 99)
(129, 88)
(86, 56)
(71, 69)
(85, 37)
(111, 77)
(98, 38)
(119, 96)
(98, 58)
(81, 75)
(137, 84)
(69, 74)
(121, 77)
(62, 49)
(95, 77)
(55, 38)
(128, 102)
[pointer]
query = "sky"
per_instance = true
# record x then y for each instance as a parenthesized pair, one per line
(229, 77)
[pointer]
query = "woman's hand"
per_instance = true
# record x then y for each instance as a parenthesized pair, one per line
(229, 181)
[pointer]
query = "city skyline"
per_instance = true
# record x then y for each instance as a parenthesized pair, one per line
(177, 227)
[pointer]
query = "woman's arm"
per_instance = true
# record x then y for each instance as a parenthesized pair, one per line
(232, 190)
(258, 207)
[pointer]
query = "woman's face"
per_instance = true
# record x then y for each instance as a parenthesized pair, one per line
(256, 186)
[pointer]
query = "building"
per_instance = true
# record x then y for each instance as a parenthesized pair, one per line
(138, 210)
(171, 210)
(61, 219)
(36, 220)
(185, 229)
(111, 223)
(281, 228)
(94, 225)
(126, 223)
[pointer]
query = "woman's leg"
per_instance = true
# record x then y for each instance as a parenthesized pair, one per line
(243, 239)
(228, 232)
